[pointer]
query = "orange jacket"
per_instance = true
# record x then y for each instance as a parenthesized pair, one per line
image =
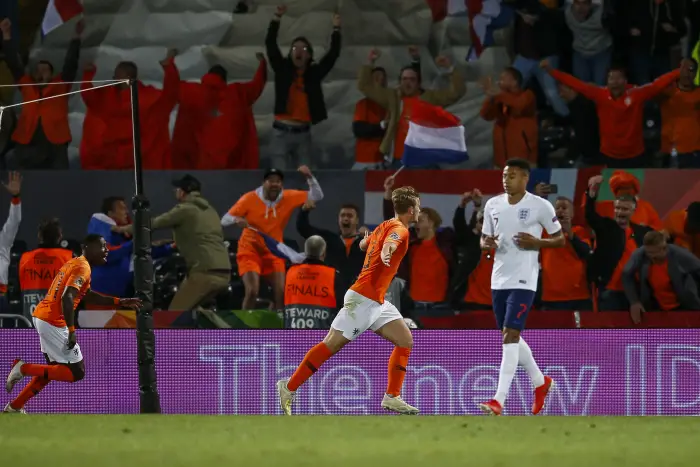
(53, 113)
(230, 141)
(515, 130)
(107, 125)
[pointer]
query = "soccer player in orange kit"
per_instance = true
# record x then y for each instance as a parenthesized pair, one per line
(365, 308)
(267, 209)
(54, 320)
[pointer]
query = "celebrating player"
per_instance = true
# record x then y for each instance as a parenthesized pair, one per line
(513, 223)
(365, 308)
(54, 320)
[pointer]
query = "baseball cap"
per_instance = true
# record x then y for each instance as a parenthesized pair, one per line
(271, 172)
(188, 184)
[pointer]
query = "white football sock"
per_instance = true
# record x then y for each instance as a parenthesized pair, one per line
(527, 361)
(509, 365)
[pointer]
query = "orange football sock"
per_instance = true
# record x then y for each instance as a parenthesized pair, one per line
(51, 372)
(397, 370)
(30, 390)
(312, 361)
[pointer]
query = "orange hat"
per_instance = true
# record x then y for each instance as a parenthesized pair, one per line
(621, 179)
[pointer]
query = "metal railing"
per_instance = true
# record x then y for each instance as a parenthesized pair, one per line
(16, 319)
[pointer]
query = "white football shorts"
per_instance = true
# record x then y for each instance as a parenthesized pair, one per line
(359, 314)
(54, 343)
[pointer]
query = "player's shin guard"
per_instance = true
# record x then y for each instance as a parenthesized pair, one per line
(49, 372)
(397, 370)
(527, 361)
(313, 360)
(30, 390)
(509, 365)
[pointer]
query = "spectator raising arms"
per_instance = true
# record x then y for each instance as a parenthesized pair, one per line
(620, 113)
(513, 111)
(397, 102)
(42, 134)
(369, 122)
(616, 240)
(680, 118)
(266, 209)
(342, 250)
(231, 140)
(661, 277)
(107, 134)
(299, 101)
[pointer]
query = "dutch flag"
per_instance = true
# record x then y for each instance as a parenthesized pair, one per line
(435, 136)
(59, 12)
(279, 249)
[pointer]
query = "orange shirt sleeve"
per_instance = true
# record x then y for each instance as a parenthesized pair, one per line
(79, 276)
(297, 198)
(396, 234)
(242, 206)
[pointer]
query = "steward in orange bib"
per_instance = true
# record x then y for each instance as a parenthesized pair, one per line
(38, 268)
(312, 290)
(42, 134)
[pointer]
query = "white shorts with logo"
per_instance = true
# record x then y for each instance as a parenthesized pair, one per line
(359, 314)
(54, 343)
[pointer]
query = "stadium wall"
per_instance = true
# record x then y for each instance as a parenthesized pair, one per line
(75, 196)
(598, 372)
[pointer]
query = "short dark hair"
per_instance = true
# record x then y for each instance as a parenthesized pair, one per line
(50, 231)
(695, 62)
(521, 164)
(618, 68)
(219, 70)
(433, 215)
(515, 73)
(351, 206)
(91, 239)
(564, 198)
(654, 238)
(412, 68)
(129, 67)
(109, 202)
(46, 62)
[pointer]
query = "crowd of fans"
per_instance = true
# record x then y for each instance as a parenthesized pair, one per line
(621, 53)
(624, 258)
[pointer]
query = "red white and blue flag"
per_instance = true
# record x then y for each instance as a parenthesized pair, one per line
(435, 136)
(59, 12)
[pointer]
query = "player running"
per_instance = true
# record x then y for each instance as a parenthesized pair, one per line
(54, 320)
(513, 223)
(365, 308)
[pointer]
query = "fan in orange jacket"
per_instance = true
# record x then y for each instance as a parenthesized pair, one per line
(267, 209)
(107, 133)
(623, 183)
(198, 106)
(231, 140)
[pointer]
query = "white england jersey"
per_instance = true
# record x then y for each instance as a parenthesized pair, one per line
(513, 267)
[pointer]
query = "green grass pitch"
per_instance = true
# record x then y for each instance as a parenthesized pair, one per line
(231, 441)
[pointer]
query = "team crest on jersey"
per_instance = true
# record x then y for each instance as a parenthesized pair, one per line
(394, 236)
(79, 282)
(523, 214)
(628, 101)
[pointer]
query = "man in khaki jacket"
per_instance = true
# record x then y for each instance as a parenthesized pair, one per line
(199, 237)
(397, 101)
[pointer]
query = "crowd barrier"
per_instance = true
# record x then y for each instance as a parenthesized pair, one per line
(598, 372)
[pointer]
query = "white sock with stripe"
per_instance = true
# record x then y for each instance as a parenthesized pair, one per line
(527, 361)
(509, 365)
